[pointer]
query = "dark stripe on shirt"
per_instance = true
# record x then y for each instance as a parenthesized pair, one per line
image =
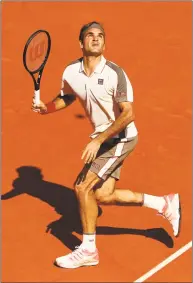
(121, 94)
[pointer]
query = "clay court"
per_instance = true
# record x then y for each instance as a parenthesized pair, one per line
(41, 155)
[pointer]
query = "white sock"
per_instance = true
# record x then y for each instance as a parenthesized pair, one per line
(89, 242)
(153, 202)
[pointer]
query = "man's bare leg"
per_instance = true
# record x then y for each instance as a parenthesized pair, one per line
(168, 206)
(108, 194)
(86, 253)
(87, 202)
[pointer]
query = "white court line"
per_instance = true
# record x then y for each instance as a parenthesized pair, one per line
(165, 262)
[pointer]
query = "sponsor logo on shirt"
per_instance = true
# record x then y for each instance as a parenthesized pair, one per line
(100, 81)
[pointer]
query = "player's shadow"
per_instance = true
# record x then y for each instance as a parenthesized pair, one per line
(62, 199)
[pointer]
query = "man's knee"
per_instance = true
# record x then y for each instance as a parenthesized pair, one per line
(86, 187)
(81, 189)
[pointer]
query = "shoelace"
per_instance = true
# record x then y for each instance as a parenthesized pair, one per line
(77, 254)
(167, 215)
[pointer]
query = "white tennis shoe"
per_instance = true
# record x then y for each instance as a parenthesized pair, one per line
(79, 257)
(172, 212)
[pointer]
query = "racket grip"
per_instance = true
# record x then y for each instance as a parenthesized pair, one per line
(37, 97)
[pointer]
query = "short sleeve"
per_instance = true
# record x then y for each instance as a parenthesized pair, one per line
(124, 90)
(65, 86)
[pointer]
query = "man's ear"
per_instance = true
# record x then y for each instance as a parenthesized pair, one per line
(81, 44)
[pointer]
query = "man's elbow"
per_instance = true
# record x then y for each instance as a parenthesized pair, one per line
(129, 116)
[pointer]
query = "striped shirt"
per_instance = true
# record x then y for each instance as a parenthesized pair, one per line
(100, 94)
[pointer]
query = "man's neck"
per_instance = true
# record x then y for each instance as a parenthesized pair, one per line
(90, 63)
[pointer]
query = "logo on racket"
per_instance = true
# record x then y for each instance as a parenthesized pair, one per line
(37, 51)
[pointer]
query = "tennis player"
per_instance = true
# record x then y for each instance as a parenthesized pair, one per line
(107, 97)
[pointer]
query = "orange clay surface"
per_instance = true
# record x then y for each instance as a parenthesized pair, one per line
(152, 43)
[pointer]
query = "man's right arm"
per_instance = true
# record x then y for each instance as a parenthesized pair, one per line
(64, 99)
(60, 102)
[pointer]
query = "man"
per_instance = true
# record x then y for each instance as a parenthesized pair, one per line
(106, 94)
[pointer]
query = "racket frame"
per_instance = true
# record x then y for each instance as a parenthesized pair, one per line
(41, 68)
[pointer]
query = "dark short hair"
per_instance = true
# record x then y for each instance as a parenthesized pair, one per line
(87, 26)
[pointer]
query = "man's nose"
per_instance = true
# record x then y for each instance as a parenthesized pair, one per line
(95, 38)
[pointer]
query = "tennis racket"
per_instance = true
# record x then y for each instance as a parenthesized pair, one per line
(35, 56)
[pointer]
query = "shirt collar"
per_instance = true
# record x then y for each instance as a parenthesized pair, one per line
(99, 68)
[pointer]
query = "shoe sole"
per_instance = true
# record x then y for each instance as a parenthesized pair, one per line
(180, 218)
(93, 263)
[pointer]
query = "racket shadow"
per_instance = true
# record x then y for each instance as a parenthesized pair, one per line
(30, 181)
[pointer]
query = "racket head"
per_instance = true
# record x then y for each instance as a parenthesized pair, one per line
(36, 51)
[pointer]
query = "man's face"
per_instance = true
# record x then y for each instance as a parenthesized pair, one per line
(93, 42)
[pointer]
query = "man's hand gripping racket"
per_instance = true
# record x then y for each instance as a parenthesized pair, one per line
(35, 56)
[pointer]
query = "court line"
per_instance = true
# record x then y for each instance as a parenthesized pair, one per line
(165, 262)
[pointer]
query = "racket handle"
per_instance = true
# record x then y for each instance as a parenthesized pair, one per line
(37, 97)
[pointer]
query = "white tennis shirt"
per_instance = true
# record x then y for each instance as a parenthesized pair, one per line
(100, 94)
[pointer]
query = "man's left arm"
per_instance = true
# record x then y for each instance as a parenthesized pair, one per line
(124, 119)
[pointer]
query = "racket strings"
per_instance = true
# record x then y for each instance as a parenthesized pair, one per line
(37, 52)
